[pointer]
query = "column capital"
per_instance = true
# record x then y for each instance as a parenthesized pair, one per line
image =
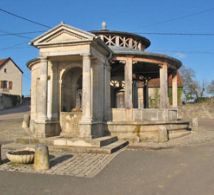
(43, 58)
(163, 65)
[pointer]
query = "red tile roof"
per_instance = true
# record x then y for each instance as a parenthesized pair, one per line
(3, 61)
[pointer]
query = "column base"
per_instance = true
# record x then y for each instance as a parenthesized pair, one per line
(45, 129)
(92, 129)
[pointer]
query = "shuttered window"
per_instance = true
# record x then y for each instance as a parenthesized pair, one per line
(10, 84)
(1, 84)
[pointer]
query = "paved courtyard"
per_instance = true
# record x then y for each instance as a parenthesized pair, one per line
(71, 164)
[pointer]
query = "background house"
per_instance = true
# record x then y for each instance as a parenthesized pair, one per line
(10, 83)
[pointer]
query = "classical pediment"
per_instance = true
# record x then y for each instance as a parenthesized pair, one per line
(63, 34)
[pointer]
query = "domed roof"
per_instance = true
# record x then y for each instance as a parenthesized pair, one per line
(122, 39)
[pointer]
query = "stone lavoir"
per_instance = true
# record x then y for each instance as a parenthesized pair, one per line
(102, 89)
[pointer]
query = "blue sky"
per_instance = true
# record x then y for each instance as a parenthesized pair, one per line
(137, 16)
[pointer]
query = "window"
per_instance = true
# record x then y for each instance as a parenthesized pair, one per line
(3, 84)
(5, 70)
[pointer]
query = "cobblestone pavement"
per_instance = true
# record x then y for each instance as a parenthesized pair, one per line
(75, 164)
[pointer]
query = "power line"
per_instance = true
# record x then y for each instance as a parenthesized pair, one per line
(15, 46)
(180, 17)
(175, 34)
(19, 33)
(187, 51)
(141, 33)
(14, 34)
(23, 18)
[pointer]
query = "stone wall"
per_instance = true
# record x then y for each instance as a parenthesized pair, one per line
(134, 115)
(8, 101)
(148, 131)
(69, 123)
(197, 110)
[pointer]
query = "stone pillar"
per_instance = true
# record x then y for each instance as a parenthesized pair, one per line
(86, 90)
(140, 97)
(52, 99)
(49, 98)
(86, 120)
(164, 86)
(43, 89)
(135, 94)
(175, 90)
(107, 96)
(146, 94)
(128, 83)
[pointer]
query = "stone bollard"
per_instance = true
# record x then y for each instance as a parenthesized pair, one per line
(194, 124)
(41, 158)
(26, 121)
(163, 134)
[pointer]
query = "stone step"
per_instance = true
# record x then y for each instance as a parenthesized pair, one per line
(103, 141)
(108, 149)
(97, 142)
(114, 147)
(178, 133)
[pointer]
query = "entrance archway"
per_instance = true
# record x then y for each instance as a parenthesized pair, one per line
(71, 90)
(71, 102)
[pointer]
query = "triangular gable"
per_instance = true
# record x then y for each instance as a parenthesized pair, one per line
(3, 62)
(63, 34)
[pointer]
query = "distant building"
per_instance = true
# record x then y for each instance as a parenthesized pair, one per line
(10, 83)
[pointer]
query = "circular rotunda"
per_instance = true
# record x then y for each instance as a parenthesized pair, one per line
(152, 79)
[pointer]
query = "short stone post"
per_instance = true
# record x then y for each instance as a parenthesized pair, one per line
(194, 124)
(26, 121)
(41, 159)
(163, 134)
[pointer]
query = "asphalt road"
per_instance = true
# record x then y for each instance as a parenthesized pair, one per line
(15, 112)
(176, 171)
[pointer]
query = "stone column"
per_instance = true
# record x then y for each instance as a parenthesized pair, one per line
(49, 98)
(86, 90)
(146, 94)
(128, 83)
(164, 86)
(107, 96)
(52, 103)
(43, 89)
(175, 90)
(140, 97)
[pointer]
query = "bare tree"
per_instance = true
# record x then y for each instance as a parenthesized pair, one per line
(191, 87)
(210, 88)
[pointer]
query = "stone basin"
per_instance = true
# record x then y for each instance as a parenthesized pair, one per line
(21, 157)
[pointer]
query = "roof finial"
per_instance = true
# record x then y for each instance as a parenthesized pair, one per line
(62, 22)
(104, 26)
